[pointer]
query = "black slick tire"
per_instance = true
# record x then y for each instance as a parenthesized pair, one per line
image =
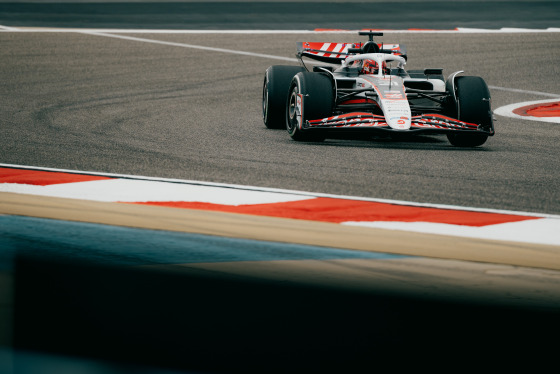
(276, 86)
(311, 97)
(473, 105)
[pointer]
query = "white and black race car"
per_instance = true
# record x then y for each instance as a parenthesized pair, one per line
(366, 89)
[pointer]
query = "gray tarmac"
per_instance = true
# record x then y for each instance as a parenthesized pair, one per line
(89, 102)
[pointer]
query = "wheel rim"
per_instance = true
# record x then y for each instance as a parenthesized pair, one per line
(293, 110)
(265, 100)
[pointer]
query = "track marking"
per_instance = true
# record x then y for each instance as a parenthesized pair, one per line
(312, 207)
(508, 111)
(281, 191)
(223, 50)
(193, 46)
(8, 28)
(111, 33)
(457, 30)
(516, 90)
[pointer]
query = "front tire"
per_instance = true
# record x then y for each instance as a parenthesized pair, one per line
(276, 86)
(473, 105)
(311, 97)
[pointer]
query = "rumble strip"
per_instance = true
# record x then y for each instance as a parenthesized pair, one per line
(345, 210)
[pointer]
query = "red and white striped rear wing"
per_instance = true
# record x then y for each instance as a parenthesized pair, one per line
(334, 53)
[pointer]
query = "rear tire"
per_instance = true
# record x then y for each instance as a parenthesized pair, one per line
(311, 97)
(276, 86)
(473, 105)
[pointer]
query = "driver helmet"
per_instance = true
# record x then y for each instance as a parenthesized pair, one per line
(372, 67)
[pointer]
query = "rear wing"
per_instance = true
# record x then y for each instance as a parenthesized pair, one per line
(335, 53)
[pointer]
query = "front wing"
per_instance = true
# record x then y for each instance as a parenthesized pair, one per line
(420, 123)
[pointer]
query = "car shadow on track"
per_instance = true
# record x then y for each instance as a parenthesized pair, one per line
(397, 142)
(389, 141)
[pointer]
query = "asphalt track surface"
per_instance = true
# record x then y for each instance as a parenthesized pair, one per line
(97, 103)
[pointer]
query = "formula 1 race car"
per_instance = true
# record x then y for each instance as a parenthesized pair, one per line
(370, 91)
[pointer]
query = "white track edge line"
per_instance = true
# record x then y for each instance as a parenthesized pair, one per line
(285, 191)
(193, 46)
(110, 33)
(184, 45)
(243, 31)
(517, 90)
(222, 50)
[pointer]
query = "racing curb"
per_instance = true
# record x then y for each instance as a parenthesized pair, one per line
(236, 211)
(539, 110)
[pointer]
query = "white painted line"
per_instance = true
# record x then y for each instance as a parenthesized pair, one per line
(193, 46)
(163, 31)
(326, 31)
(506, 30)
(222, 50)
(523, 91)
(110, 33)
(507, 111)
(7, 28)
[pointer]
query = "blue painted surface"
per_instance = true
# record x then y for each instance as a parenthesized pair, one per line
(129, 246)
